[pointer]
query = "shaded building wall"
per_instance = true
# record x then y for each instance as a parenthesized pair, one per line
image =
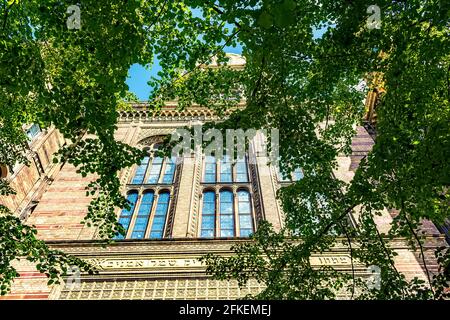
(29, 180)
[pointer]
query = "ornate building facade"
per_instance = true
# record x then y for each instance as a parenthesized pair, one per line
(182, 208)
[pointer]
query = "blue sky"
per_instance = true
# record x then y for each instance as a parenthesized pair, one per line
(138, 75)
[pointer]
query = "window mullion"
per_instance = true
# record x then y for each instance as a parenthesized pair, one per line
(218, 168)
(152, 215)
(236, 214)
(148, 169)
(217, 215)
(167, 215)
(162, 170)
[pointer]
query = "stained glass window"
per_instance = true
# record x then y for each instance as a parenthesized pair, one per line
(143, 215)
(208, 214)
(230, 215)
(226, 214)
(151, 209)
(245, 213)
(159, 219)
(126, 214)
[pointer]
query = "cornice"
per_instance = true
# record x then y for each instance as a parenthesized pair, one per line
(170, 112)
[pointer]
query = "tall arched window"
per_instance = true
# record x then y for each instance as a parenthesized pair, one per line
(152, 198)
(226, 214)
(126, 214)
(227, 204)
(159, 220)
(244, 213)
(208, 215)
(143, 215)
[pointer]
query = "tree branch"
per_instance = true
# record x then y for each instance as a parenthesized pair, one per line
(221, 12)
(421, 251)
(159, 15)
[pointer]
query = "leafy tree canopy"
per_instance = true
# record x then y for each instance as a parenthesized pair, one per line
(74, 79)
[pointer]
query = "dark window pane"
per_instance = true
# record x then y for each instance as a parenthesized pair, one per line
(226, 208)
(209, 196)
(156, 235)
(33, 131)
(138, 235)
(226, 196)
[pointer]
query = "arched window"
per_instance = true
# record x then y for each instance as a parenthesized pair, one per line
(143, 215)
(126, 214)
(227, 211)
(151, 208)
(208, 215)
(226, 214)
(244, 213)
(159, 219)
